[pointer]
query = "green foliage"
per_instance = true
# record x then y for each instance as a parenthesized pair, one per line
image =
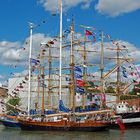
(127, 97)
(13, 102)
(110, 89)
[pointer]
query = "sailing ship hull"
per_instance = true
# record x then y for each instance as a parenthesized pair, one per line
(63, 126)
(130, 120)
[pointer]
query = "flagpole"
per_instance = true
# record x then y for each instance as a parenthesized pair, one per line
(60, 53)
(30, 56)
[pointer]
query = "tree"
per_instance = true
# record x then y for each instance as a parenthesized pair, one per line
(110, 89)
(12, 102)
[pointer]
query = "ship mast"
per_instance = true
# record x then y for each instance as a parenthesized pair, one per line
(84, 70)
(30, 67)
(49, 78)
(60, 53)
(72, 88)
(102, 67)
(118, 71)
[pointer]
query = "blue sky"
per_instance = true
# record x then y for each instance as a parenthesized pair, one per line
(120, 19)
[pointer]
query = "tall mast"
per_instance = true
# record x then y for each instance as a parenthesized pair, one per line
(118, 71)
(102, 67)
(49, 78)
(60, 53)
(84, 70)
(30, 56)
(72, 88)
(43, 91)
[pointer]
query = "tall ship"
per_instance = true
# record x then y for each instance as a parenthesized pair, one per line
(74, 117)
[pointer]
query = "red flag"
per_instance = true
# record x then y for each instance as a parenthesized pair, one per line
(80, 83)
(87, 32)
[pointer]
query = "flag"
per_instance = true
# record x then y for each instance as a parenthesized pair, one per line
(34, 61)
(51, 42)
(77, 69)
(108, 36)
(67, 79)
(43, 85)
(124, 72)
(137, 88)
(79, 90)
(80, 83)
(78, 76)
(20, 86)
(135, 82)
(87, 32)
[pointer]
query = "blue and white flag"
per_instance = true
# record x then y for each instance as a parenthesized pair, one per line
(124, 72)
(76, 68)
(79, 76)
(34, 61)
(79, 90)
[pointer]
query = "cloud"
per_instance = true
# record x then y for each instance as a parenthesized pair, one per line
(17, 53)
(53, 5)
(114, 8)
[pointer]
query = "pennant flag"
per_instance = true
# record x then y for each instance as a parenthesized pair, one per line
(34, 61)
(80, 83)
(133, 73)
(67, 31)
(26, 78)
(77, 69)
(23, 81)
(123, 46)
(79, 90)
(51, 42)
(124, 71)
(137, 88)
(67, 79)
(135, 82)
(19, 86)
(43, 85)
(108, 36)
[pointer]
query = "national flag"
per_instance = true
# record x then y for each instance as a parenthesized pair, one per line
(78, 76)
(87, 32)
(76, 68)
(80, 83)
(124, 72)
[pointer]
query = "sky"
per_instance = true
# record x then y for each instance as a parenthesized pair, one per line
(118, 18)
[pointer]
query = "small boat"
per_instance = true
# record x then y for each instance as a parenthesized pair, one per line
(130, 115)
(9, 121)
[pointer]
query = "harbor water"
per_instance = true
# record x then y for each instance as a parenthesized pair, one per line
(17, 134)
